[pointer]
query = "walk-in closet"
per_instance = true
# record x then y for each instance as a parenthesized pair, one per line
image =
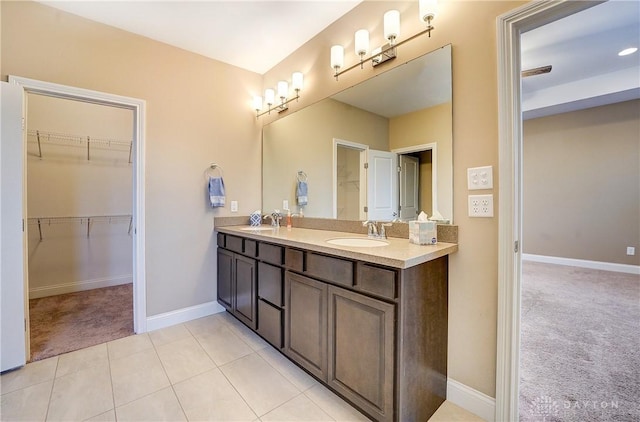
(79, 225)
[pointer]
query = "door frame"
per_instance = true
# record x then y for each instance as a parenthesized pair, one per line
(433, 147)
(364, 149)
(138, 162)
(509, 27)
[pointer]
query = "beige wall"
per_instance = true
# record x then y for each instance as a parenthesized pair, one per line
(431, 125)
(470, 26)
(304, 141)
(198, 112)
(63, 183)
(582, 184)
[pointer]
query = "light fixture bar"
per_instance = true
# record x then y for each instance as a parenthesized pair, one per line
(388, 51)
(280, 107)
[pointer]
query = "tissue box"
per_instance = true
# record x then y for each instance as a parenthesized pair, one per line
(255, 219)
(423, 232)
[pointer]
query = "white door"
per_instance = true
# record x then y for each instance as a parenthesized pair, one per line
(12, 272)
(382, 185)
(409, 187)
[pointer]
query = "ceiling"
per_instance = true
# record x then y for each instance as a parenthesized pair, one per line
(253, 35)
(256, 35)
(583, 52)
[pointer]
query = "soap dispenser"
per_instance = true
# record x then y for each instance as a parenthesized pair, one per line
(288, 219)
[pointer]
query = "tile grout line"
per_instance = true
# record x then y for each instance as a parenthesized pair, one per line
(113, 395)
(171, 385)
(53, 384)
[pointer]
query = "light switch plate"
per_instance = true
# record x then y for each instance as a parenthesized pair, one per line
(480, 178)
(234, 206)
(481, 205)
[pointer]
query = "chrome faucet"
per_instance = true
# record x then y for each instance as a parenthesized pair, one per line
(383, 232)
(372, 229)
(275, 217)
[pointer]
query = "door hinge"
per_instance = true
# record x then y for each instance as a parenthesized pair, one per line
(516, 246)
(25, 325)
(23, 225)
(366, 165)
(399, 169)
(23, 124)
(366, 209)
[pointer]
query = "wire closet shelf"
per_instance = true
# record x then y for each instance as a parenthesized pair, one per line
(42, 137)
(84, 220)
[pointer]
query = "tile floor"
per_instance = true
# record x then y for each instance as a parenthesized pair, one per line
(209, 369)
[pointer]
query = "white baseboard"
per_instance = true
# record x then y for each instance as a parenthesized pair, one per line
(179, 316)
(79, 286)
(583, 263)
(471, 400)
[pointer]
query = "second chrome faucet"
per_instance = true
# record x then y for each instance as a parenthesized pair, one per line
(373, 231)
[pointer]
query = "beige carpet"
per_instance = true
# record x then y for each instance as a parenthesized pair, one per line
(580, 345)
(73, 321)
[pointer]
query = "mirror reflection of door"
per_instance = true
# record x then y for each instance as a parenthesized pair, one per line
(382, 185)
(409, 187)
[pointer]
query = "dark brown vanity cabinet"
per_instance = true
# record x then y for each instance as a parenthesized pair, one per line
(270, 303)
(237, 282)
(361, 344)
(375, 335)
(306, 323)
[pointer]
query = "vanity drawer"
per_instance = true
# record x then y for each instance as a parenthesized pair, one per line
(250, 247)
(234, 243)
(221, 240)
(271, 253)
(270, 323)
(270, 283)
(329, 268)
(294, 259)
(377, 280)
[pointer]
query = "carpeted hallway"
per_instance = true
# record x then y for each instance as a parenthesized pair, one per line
(580, 344)
(73, 321)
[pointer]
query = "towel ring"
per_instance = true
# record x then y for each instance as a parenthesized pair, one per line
(212, 171)
(302, 176)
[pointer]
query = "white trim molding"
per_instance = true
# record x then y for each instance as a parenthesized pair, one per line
(78, 286)
(509, 27)
(139, 112)
(179, 316)
(583, 263)
(472, 400)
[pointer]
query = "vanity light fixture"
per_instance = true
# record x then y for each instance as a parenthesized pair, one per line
(282, 91)
(379, 55)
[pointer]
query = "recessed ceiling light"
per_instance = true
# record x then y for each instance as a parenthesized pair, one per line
(627, 51)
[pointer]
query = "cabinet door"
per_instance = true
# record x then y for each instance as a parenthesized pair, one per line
(245, 291)
(225, 278)
(361, 351)
(306, 323)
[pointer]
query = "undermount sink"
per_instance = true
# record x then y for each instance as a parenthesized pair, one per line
(257, 228)
(358, 242)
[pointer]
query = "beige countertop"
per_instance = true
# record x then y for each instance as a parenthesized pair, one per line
(399, 253)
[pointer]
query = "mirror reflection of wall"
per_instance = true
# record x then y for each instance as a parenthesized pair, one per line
(405, 110)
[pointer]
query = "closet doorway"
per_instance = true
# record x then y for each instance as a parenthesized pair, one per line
(79, 223)
(19, 174)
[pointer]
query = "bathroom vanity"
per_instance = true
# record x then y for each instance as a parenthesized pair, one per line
(369, 322)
